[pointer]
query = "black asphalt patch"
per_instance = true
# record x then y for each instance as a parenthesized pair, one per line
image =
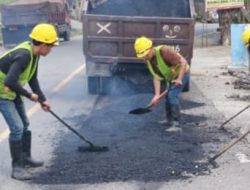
(139, 148)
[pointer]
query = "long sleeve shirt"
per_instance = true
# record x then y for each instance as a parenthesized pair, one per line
(13, 64)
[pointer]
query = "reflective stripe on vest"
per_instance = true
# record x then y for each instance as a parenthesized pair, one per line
(24, 77)
(169, 73)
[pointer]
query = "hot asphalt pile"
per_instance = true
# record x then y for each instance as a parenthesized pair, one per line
(140, 148)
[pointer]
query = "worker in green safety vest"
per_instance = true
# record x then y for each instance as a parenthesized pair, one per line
(246, 38)
(18, 67)
(169, 66)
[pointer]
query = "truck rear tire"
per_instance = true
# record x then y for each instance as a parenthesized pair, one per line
(66, 36)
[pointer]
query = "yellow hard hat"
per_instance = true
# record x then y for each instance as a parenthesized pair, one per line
(246, 36)
(45, 33)
(142, 46)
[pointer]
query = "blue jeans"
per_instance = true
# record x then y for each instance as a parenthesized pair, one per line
(16, 118)
(173, 96)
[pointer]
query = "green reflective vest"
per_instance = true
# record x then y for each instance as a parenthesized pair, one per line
(24, 77)
(168, 73)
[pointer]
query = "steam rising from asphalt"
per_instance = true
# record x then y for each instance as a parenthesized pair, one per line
(129, 86)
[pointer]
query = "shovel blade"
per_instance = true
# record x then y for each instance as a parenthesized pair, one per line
(213, 162)
(140, 111)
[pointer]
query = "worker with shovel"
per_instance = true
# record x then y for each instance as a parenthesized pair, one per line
(18, 67)
(169, 66)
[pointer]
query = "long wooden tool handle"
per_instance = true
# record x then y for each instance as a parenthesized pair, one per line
(222, 125)
(230, 145)
(70, 128)
(164, 93)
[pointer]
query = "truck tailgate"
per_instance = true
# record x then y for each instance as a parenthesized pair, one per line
(111, 38)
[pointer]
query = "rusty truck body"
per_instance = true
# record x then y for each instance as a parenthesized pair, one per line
(18, 19)
(110, 28)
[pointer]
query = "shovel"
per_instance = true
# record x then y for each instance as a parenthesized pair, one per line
(231, 118)
(141, 110)
(91, 147)
(226, 148)
(146, 109)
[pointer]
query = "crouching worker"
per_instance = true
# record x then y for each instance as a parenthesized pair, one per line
(19, 66)
(165, 65)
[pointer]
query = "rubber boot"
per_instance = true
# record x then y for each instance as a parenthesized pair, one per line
(18, 170)
(168, 119)
(168, 114)
(175, 115)
(27, 159)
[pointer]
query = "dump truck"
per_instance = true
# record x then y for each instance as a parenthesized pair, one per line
(19, 17)
(110, 28)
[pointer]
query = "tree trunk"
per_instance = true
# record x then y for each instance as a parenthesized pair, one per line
(226, 18)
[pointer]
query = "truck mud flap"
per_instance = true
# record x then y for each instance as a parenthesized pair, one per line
(99, 85)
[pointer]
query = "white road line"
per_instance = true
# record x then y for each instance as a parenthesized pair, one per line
(67, 79)
(4, 135)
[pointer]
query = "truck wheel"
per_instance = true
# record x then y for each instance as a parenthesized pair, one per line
(186, 87)
(93, 85)
(66, 36)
